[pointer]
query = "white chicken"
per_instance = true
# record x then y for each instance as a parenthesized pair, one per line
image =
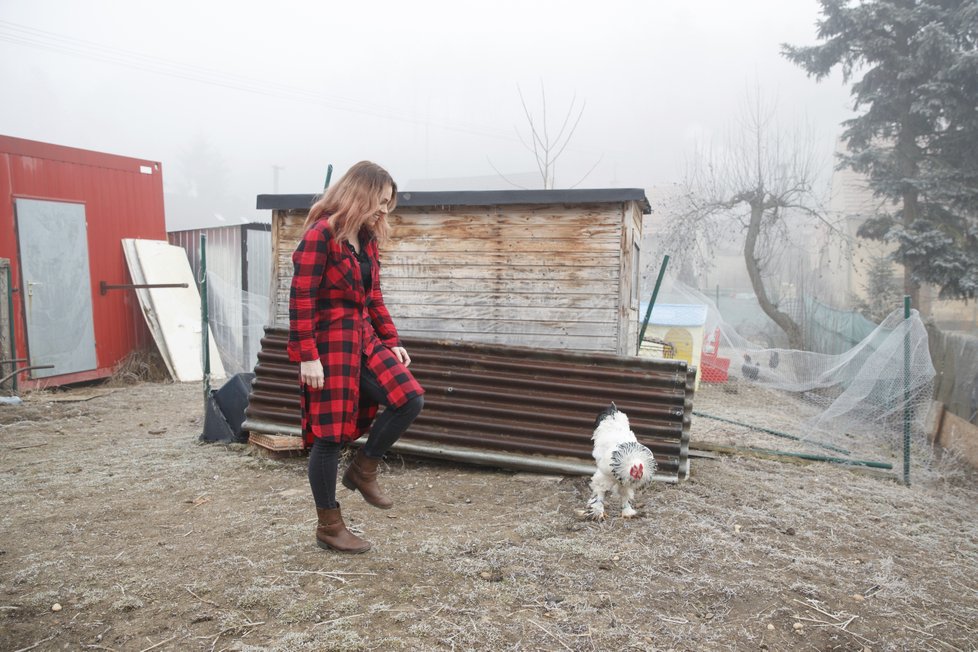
(624, 465)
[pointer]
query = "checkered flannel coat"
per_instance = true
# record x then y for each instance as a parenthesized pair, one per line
(332, 318)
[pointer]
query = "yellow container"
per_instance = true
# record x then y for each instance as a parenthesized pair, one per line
(681, 326)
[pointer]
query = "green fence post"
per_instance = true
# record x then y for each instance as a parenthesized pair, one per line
(204, 318)
(10, 317)
(655, 293)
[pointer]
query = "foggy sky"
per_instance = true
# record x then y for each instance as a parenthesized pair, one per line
(220, 92)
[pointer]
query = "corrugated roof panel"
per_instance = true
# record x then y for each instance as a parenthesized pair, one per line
(536, 404)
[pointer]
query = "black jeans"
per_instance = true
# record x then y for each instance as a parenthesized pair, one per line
(390, 424)
(385, 430)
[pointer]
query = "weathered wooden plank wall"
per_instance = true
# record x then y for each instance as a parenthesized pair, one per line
(549, 276)
(630, 279)
(286, 233)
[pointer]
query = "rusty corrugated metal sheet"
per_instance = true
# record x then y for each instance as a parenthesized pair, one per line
(123, 198)
(511, 403)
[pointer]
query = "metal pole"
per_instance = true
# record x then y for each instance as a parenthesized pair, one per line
(776, 433)
(329, 174)
(655, 293)
(204, 318)
(801, 456)
(10, 316)
(13, 374)
(907, 408)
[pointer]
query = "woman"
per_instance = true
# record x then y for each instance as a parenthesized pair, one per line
(351, 359)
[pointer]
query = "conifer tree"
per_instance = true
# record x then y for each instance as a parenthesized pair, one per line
(882, 290)
(915, 136)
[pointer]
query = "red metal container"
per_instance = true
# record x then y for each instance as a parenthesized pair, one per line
(103, 198)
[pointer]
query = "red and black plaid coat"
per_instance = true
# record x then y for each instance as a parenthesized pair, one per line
(331, 317)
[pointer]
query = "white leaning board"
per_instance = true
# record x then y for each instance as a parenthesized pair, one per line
(176, 311)
(136, 273)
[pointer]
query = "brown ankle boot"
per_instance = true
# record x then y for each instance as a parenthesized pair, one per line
(362, 475)
(331, 533)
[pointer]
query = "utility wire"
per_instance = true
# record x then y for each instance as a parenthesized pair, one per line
(59, 43)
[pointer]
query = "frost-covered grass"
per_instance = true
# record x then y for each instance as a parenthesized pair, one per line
(111, 509)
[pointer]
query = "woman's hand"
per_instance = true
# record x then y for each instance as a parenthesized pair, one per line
(311, 373)
(401, 354)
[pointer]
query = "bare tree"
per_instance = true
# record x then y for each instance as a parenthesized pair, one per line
(547, 149)
(759, 183)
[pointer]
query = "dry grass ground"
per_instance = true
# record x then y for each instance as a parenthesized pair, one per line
(149, 540)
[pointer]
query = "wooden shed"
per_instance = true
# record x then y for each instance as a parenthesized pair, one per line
(554, 269)
(63, 215)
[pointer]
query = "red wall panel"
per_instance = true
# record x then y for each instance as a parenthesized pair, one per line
(123, 198)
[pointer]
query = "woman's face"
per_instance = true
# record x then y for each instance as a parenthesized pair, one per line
(381, 204)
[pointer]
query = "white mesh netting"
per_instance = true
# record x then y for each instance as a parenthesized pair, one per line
(852, 405)
(237, 319)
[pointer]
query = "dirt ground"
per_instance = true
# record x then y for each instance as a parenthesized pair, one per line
(119, 531)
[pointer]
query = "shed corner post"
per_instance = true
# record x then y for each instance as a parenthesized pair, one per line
(630, 279)
(273, 280)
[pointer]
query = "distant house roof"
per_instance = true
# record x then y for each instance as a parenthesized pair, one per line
(482, 198)
(255, 226)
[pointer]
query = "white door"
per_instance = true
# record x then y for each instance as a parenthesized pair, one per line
(55, 285)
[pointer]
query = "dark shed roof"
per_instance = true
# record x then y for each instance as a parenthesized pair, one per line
(483, 198)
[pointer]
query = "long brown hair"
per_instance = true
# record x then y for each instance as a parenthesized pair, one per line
(348, 204)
